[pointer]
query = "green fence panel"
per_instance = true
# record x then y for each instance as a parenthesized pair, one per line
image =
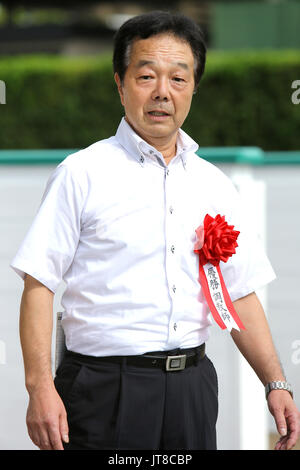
(250, 155)
(241, 155)
(34, 157)
(282, 158)
(255, 24)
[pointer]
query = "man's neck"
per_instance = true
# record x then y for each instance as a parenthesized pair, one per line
(168, 151)
(166, 146)
(169, 158)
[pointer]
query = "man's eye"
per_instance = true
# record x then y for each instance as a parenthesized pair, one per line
(145, 77)
(178, 79)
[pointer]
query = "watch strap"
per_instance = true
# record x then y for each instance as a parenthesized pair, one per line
(278, 385)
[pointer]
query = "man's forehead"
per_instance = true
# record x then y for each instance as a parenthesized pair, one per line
(142, 62)
(169, 47)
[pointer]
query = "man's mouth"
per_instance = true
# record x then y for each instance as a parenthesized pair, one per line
(158, 113)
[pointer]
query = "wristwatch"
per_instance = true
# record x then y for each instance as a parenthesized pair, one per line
(278, 385)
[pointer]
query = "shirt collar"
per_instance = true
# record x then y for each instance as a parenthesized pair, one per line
(140, 149)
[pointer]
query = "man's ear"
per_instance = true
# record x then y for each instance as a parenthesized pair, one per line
(120, 87)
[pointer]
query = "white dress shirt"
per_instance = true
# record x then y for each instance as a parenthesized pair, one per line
(118, 226)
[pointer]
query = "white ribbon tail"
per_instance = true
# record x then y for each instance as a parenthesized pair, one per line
(217, 296)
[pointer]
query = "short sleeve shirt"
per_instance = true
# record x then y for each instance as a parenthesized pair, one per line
(117, 225)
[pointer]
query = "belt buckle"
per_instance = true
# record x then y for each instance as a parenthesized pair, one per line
(175, 363)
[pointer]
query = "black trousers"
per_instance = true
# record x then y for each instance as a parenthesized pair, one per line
(121, 407)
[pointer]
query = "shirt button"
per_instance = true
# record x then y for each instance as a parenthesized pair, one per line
(172, 248)
(175, 326)
(171, 209)
(174, 288)
(167, 171)
(142, 159)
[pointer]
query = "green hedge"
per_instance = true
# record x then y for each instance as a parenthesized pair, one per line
(244, 99)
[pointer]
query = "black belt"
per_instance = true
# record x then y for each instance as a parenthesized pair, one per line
(174, 360)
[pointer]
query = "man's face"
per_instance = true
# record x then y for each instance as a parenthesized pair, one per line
(158, 86)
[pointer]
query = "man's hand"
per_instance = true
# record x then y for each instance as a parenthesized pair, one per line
(47, 419)
(287, 416)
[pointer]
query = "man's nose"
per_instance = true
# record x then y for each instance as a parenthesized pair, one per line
(161, 91)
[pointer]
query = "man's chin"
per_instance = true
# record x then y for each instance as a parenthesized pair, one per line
(152, 130)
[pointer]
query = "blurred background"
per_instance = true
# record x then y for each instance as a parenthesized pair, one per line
(57, 95)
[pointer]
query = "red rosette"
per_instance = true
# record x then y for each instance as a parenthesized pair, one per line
(217, 241)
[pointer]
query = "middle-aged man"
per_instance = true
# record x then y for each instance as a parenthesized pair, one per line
(129, 224)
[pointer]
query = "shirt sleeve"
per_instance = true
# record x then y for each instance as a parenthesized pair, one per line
(51, 241)
(249, 269)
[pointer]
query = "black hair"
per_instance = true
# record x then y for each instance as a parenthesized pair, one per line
(154, 23)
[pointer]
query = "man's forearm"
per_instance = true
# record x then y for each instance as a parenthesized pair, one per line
(46, 415)
(36, 323)
(255, 343)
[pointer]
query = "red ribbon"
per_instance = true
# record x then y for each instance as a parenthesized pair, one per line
(216, 241)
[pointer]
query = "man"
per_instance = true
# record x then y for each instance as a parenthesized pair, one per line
(117, 222)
